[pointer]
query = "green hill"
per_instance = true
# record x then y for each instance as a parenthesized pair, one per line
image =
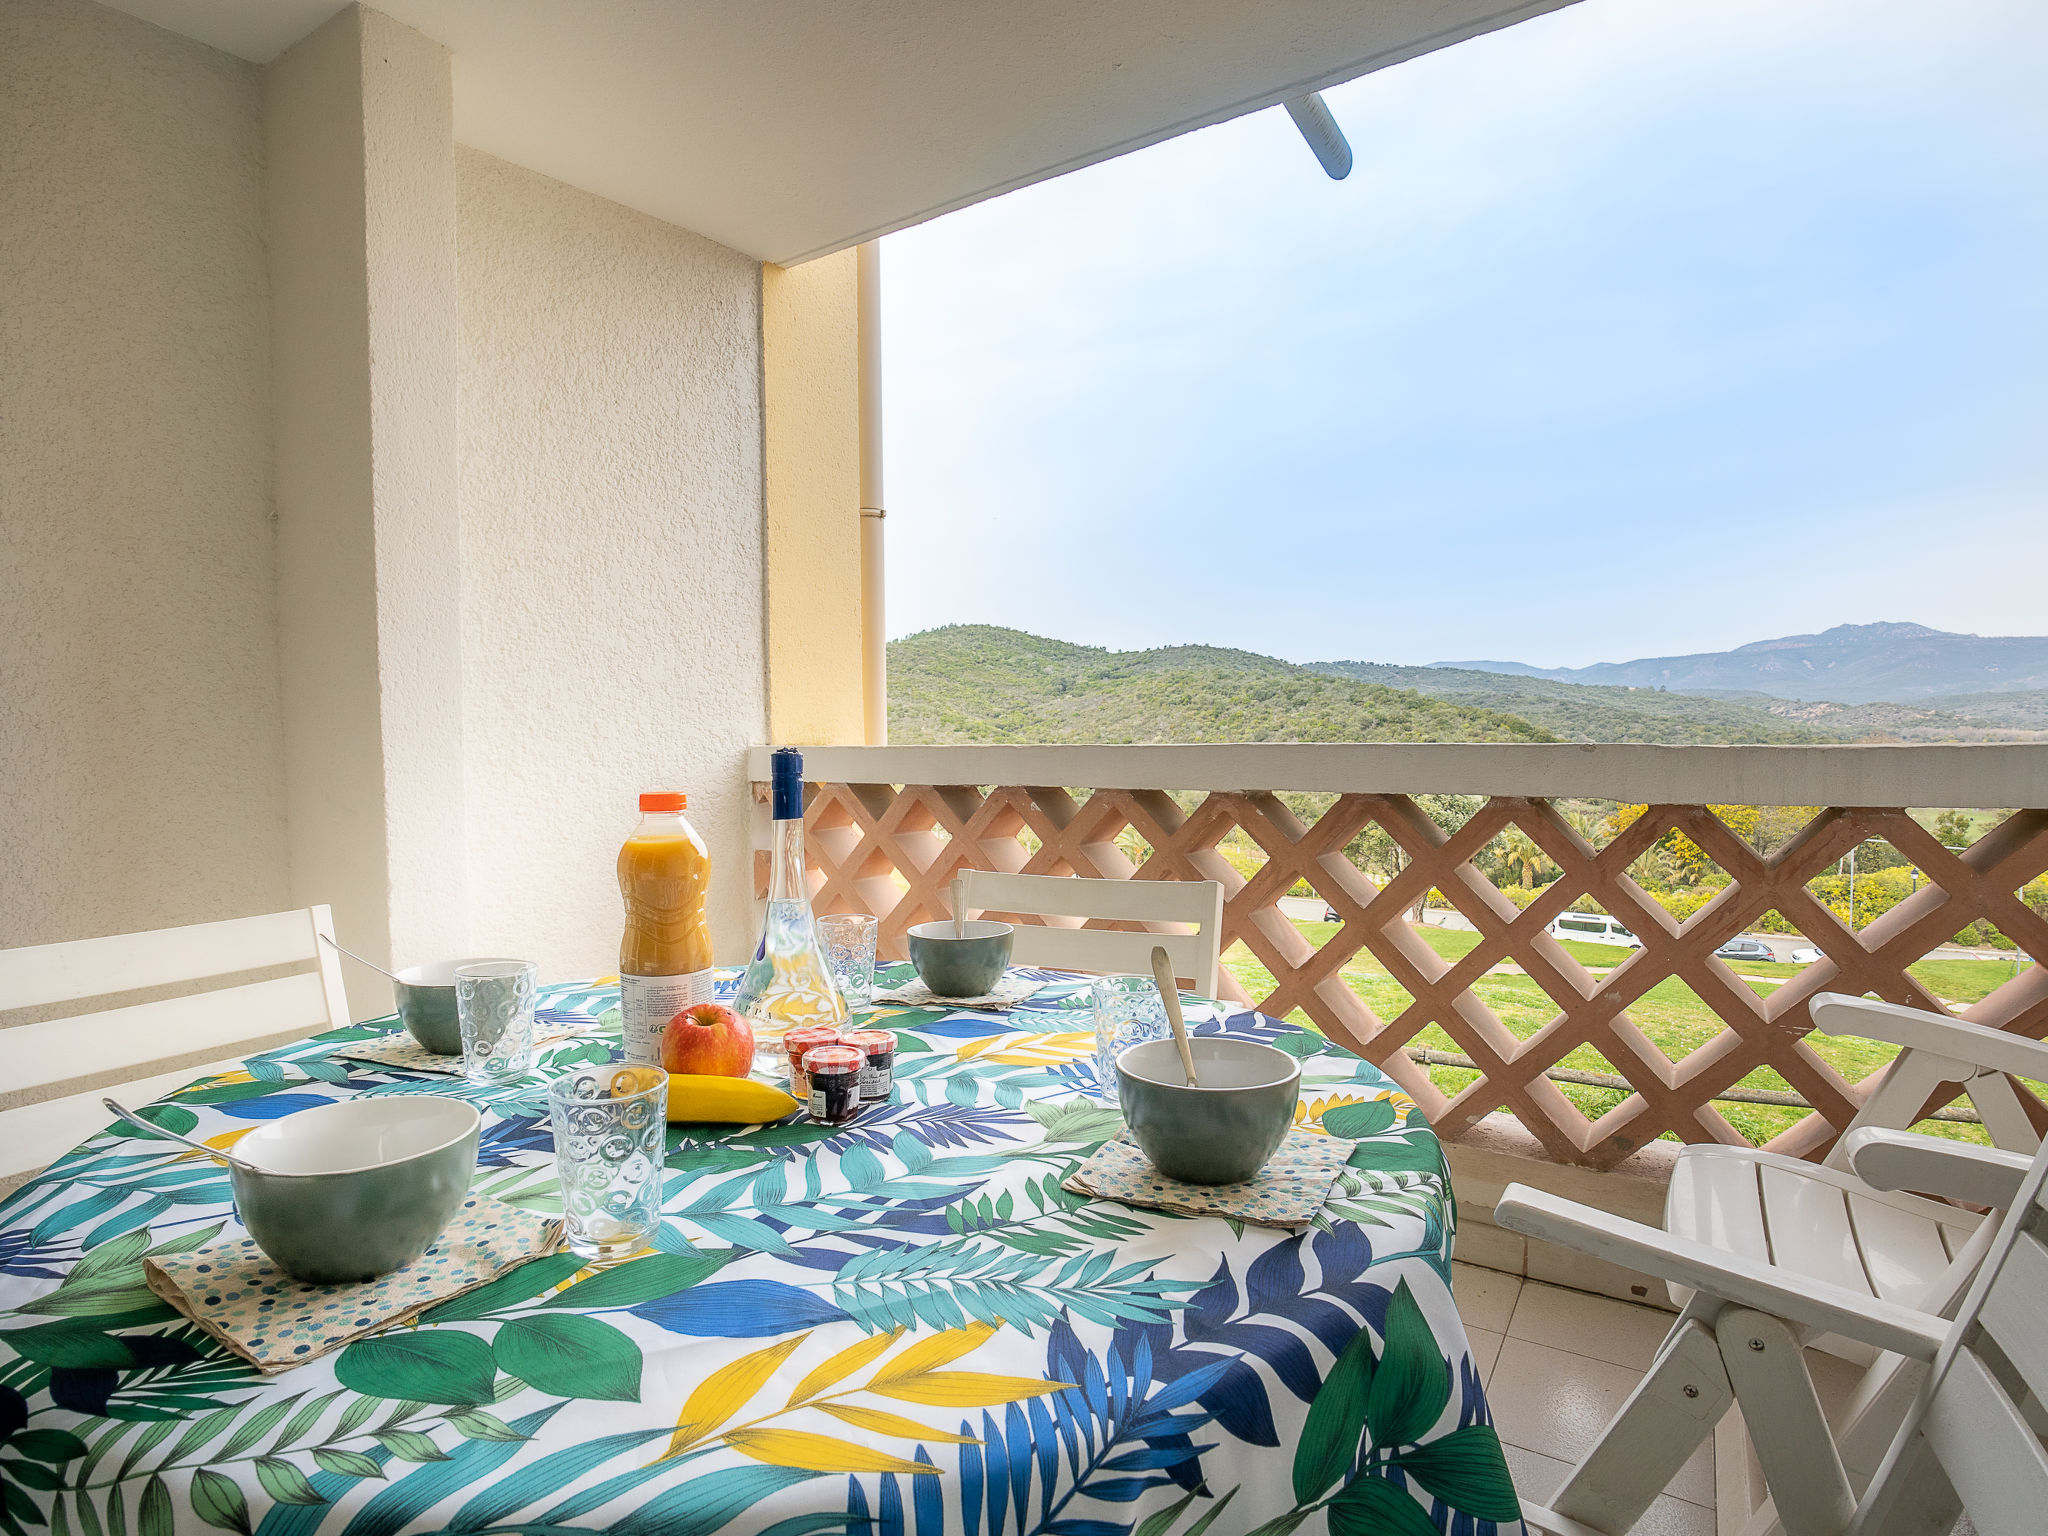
(980, 683)
(1593, 712)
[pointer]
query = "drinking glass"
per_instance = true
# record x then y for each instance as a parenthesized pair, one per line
(494, 1007)
(849, 941)
(608, 1153)
(1128, 1012)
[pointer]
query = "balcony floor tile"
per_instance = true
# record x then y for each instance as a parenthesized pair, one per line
(1555, 1402)
(1614, 1331)
(1486, 1297)
(1537, 1478)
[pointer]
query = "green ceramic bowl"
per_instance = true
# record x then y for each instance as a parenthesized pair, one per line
(351, 1191)
(1222, 1132)
(969, 966)
(426, 1004)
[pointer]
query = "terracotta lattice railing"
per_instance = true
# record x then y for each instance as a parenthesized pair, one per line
(888, 828)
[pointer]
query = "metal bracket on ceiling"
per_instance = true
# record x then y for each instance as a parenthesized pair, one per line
(1312, 116)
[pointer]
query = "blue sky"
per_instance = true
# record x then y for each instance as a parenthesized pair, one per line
(1646, 327)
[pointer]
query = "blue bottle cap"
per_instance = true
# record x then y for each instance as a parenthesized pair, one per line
(787, 778)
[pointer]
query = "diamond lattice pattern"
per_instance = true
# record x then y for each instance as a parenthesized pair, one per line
(893, 851)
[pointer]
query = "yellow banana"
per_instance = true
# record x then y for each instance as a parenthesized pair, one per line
(725, 1100)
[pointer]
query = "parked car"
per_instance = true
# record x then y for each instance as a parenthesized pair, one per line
(1743, 947)
(1805, 954)
(1330, 915)
(1592, 928)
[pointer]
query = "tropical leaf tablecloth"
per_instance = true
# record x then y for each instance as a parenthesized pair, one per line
(903, 1327)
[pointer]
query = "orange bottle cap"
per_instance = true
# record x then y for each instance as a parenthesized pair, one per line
(664, 800)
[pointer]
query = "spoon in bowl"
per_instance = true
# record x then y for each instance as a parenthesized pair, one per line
(154, 1129)
(1169, 994)
(359, 960)
(959, 906)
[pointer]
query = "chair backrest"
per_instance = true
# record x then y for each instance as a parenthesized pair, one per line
(1937, 1049)
(1185, 916)
(84, 1046)
(1972, 1429)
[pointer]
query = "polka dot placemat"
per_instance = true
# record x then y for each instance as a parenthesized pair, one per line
(275, 1322)
(1287, 1192)
(402, 1051)
(1009, 992)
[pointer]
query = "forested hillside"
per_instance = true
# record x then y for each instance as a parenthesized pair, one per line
(978, 682)
(974, 682)
(1587, 712)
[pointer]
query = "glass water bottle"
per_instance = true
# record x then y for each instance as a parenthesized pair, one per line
(787, 983)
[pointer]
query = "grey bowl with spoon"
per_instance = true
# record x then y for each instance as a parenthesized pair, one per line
(426, 999)
(348, 1191)
(1205, 1109)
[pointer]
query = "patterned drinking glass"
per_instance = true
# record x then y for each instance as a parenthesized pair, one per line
(610, 1123)
(494, 1006)
(849, 941)
(1128, 1012)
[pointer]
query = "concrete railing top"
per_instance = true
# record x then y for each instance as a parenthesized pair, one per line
(1976, 775)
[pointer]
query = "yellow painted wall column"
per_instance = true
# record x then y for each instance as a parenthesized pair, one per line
(810, 367)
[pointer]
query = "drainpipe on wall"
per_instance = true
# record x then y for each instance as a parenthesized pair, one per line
(873, 628)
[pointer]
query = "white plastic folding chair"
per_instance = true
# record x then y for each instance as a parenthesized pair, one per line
(1185, 917)
(1819, 1219)
(1793, 1224)
(1969, 1435)
(92, 1046)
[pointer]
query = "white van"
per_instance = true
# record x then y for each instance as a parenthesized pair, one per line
(1592, 928)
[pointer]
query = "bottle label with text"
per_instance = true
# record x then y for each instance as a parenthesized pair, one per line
(649, 1002)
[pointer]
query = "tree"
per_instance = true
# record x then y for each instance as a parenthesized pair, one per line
(1953, 828)
(1519, 855)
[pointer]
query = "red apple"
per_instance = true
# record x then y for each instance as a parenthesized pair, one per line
(708, 1040)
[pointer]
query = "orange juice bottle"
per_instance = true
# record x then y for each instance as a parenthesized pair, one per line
(665, 957)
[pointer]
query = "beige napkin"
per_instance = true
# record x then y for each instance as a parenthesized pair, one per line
(1287, 1192)
(1009, 992)
(275, 1322)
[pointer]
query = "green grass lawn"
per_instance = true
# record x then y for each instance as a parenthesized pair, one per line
(1671, 1014)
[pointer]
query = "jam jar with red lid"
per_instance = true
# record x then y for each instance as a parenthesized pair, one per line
(877, 1073)
(834, 1073)
(796, 1043)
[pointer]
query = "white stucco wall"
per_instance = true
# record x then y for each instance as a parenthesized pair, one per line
(611, 529)
(141, 758)
(361, 204)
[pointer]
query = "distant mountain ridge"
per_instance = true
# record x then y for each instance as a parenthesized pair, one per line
(983, 683)
(1849, 664)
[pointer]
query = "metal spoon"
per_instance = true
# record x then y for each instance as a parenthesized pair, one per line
(215, 1153)
(359, 960)
(1169, 994)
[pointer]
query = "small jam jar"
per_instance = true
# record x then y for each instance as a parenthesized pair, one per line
(878, 1071)
(796, 1042)
(834, 1074)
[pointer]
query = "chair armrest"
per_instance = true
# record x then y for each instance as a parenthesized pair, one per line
(1929, 1165)
(1837, 1013)
(1731, 1277)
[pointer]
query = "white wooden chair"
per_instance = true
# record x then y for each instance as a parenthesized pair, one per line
(86, 1047)
(1183, 916)
(1802, 1225)
(1968, 1436)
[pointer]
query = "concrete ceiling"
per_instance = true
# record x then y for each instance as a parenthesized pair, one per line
(792, 128)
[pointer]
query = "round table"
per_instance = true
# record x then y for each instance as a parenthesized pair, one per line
(902, 1327)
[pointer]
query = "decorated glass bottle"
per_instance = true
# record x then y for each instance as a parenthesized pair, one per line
(787, 983)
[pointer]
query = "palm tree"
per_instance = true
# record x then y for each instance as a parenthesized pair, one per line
(1519, 854)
